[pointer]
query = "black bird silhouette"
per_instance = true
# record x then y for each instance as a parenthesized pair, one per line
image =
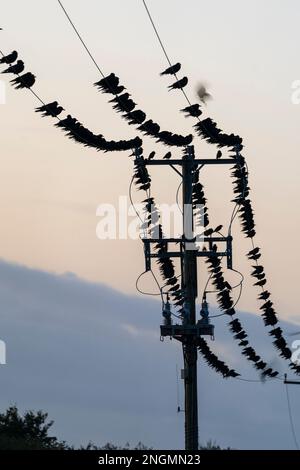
(24, 81)
(50, 109)
(209, 232)
(203, 94)
(10, 58)
(135, 117)
(193, 110)
(151, 156)
(261, 283)
(179, 84)
(110, 84)
(172, 70)
(264, 295)
(124, 97)
(150, 128)
(16, 69)
(219, 154)
(167, 156)
(68, 122)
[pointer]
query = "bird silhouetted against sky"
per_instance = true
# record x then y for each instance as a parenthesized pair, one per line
(203, 94)
(179, 84)
(172, 70)
(16, 68)
(10, 58)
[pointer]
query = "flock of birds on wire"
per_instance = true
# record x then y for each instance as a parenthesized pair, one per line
(207, 129)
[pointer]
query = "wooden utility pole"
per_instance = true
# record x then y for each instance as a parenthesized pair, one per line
(189, 286)
(190, 330)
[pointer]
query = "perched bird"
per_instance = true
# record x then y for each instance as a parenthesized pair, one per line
(123, 103)
(261, 283)
(218, 228)
(167, 156)
(135, 117)
(209, 232)
(125, 96)
(110, 84)
(172, 70)
(24, 81)
(203, 94)
(9, 59)
(50, 109)
(151, 156)
(179, 84)
(193, 110)
(16, 69)
(264, 295)
(219, 154)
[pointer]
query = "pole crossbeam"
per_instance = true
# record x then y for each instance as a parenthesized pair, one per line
(177, 254)
(201, 161)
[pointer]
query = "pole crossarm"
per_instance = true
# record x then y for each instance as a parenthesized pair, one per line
(179, 254)
(290, 382)
(201, 161)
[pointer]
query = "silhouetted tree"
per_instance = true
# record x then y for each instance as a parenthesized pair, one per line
(27, 432)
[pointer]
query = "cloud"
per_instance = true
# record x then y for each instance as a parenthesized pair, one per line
(92, 357)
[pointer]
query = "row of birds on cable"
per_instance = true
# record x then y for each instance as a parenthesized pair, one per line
(74, 129)
(227, 306)
(167, 270)
(199, 205)
(213, 361)
(16, 67)
(166, 265)
(80, 134)
(123, 104)
(141, 175)
(208, 130)
(268, 313)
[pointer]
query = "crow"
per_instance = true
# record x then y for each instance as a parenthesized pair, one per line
(179, 84)
(172, 70)
(50, 109)
(219, 154)
(167, 156)
(151, 156)
(24, 81)
(193, 110)
(202, 94)
(16, 69)
(10, 58)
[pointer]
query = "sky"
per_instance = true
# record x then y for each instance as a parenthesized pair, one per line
(92, 358)
(50, 188)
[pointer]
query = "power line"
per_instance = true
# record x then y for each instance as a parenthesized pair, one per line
(80, 38)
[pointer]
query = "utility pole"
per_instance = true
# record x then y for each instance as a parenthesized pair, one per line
(189, 286)
(190, 330)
